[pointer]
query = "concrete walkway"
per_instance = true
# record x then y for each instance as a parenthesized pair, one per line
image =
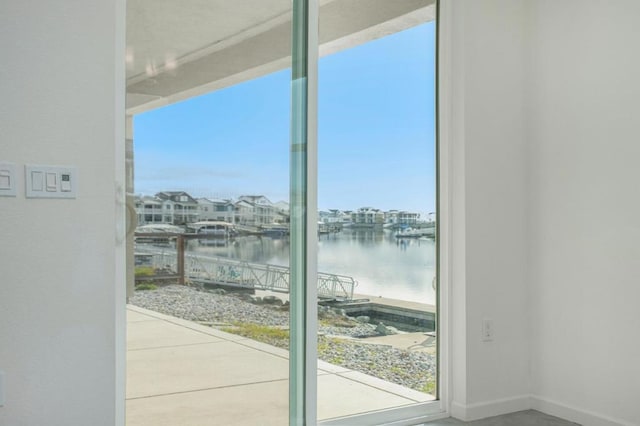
(182, 373)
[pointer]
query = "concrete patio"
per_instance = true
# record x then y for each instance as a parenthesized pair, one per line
(183, 373)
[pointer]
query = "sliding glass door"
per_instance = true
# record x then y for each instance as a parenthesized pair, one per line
(285, 157)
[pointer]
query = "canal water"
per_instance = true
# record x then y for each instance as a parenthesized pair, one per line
(382, 265)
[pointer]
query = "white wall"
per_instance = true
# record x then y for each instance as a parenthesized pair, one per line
(58, 280)
(584, 217)
(546, 205)
(489, 273)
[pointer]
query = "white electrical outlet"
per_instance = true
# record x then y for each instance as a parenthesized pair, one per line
(487, 330)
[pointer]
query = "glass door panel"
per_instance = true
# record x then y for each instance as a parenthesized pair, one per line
(377, 211)
(209, 91)
(224, 103)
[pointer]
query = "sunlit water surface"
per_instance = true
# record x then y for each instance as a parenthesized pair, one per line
(382, 265)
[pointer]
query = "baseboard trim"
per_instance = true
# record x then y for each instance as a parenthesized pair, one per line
(481, 410)
(498, 407)
(573, 414)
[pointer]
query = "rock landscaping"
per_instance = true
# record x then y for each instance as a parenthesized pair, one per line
(341, 338)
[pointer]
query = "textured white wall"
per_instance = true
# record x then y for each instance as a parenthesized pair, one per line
(58, 277)
(584, 149)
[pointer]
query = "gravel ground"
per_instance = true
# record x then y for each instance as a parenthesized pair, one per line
(197, 305)
(411, 369)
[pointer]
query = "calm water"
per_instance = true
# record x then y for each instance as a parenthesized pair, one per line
(381, 264)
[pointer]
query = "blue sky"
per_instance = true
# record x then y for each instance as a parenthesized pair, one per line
(376, 132)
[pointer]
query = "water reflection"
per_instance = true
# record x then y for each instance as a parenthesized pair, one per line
(381, 264)
(366, 236)
(255, 249)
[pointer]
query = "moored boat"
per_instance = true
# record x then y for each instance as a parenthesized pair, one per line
(429, 231)
(214, 229)
(275, 230)
(145, 233)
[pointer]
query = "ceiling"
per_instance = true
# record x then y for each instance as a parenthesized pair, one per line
(177, 49)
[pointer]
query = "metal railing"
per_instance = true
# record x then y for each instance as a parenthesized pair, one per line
(187, 266)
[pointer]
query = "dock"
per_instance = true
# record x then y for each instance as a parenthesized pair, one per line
(214, 270)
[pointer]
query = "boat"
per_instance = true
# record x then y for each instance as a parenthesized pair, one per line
(164, 233)
(214, 229)
(416, 232)
(276, 230)
(329, 227)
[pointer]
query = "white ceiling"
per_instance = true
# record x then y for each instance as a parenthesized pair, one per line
(182, 48)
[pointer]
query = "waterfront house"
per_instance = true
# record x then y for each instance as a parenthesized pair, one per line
(336, 219)
(149, 210)
(401, 217)
(183, 207)
(367, 217)
(216, 209)
(281, 212)
(257, 210)
(243, 213)
(281, 206)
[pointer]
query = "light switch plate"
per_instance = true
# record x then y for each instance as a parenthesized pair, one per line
(7, 180)
(50, 181)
